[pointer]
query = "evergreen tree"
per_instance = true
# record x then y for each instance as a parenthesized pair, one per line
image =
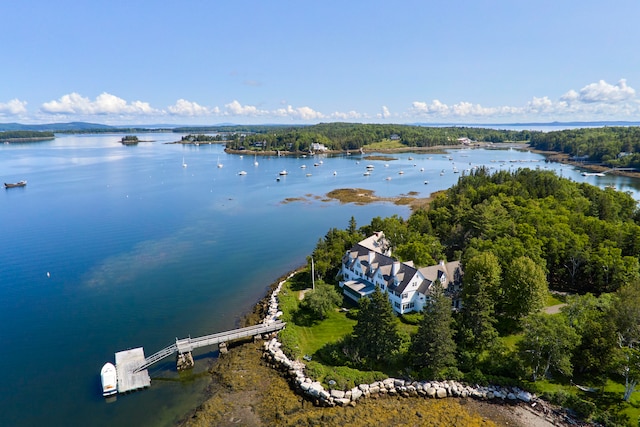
(432, 347)
(481, 281)
(376, 335)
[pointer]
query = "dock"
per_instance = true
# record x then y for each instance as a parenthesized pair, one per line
(131, 365)
(127, 362)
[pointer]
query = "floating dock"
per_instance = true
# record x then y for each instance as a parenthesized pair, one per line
(127, 362)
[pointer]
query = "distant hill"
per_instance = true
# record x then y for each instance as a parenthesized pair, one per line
(55, 127)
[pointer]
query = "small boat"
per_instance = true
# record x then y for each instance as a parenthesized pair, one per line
(283, 172)
(242, 173)
(15, 184)
(255, 160)
(388, 178)
(367, 173)
(219, 164)
(335, 173)
(401, 173)
(303, 166)
(308, 174)
(109, 378)
(184, 165)
(370, 166)
(410, 158)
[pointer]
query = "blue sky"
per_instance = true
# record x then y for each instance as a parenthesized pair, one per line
(245, 61)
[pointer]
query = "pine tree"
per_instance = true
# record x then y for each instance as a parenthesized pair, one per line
(376, 335)
(432, 347)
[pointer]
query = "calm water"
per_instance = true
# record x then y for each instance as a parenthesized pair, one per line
(141, 250)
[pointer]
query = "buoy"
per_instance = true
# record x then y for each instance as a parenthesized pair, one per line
(48, 274)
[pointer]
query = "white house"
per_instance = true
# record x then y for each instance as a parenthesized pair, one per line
(368, 264)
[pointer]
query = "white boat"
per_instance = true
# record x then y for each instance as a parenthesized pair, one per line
(184, 165)
(255, 160)
(219, 164)
(283, 172)
(401, 173)
(335, 173)
(109, 379)
(388, 178)
(242, 173)
(367, 173)
(303, 166)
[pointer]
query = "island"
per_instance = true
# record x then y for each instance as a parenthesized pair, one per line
(25, 136)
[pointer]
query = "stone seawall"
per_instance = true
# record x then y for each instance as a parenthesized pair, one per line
(314, 391)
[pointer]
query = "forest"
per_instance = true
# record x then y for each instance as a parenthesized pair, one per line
(611, 146)
(353, 136)
(519, 236)
(25, 134)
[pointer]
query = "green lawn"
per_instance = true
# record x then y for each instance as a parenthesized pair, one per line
(331, 329)
(385, 144)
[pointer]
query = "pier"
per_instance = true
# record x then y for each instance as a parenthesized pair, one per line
(131, 365)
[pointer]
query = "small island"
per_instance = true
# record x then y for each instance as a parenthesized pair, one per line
(129, 140)
(25, 136)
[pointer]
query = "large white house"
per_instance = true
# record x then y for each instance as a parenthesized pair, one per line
(368, 264)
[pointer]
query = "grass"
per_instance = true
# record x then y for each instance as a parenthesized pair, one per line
(306, 340)
(385, 144)
(552, 300)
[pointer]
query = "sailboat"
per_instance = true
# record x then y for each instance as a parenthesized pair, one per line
(255, 160)
(219, 164)
(184, 165)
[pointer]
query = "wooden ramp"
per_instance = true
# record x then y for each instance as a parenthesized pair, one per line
(126, 363)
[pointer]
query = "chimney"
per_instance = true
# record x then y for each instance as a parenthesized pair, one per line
(395, 268)
(372, 255)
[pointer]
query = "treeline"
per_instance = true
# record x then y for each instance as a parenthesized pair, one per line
(612, 146)
(352, 136)
(517, 235)
(25, 134)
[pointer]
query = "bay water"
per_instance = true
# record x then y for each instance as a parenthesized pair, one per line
(111, 247)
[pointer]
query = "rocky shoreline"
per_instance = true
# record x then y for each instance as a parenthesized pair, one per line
(259, 385)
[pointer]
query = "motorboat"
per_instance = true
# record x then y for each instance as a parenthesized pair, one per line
(15, 184)
(283, 172)
(109, 378)
(242, 173)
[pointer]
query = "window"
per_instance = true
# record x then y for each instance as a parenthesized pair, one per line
(407, 305)
(397, 304)
(405, 295)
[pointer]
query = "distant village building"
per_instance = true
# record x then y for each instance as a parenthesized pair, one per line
(368, 264)
(394, 137)
(318, 147)
(464, 141)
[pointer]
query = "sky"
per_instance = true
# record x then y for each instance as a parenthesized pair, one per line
(207, 62)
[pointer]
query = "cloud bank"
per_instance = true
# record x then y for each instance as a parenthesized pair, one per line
(594, 101)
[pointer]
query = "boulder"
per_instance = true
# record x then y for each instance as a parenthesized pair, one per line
(337, 394)
(431, 392)
(441, 393)
(356, 393)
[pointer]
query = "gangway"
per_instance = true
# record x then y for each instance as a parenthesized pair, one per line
(131, 365)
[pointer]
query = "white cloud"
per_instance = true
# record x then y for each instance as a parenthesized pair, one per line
(13, 107)
(104, 104)
(182, 107)
(234, 108)
(300, 113)
(599, 100)
(385, 114)
(607, 93)
(349, 115)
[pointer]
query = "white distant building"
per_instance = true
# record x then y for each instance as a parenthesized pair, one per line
(368, 264)
(318, 147)
(464, 141)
